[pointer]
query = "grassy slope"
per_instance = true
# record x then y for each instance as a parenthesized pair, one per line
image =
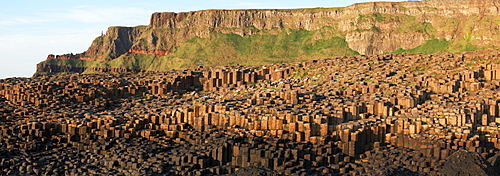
(288, 45)
(74, 63)
(229, 49)
(463, 42)
(431, 46)
(441, 45)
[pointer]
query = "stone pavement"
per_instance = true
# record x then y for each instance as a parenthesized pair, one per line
(361, 115)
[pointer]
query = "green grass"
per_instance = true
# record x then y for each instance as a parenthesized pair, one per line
(375, 17)
(299, 74)
(411, 24)
(89, 71)
(463, 44)
(74, 62)
(218, 48)
(147, 62)
(421, 68)
(406, 23)
(431, 46)
(441, 45)
(378, 17)
(375, 28)
(286, 45)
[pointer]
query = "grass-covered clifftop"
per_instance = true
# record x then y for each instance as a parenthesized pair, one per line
(254, 37)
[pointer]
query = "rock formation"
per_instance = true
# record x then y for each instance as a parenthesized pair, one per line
(249, 37)
(387, 114)
(463, 163)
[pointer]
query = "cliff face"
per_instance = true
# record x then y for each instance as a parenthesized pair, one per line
(214, 37)
(117, 41)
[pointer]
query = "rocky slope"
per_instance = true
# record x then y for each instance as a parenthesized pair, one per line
(228, 37)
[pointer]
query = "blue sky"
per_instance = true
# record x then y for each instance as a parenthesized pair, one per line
(32, 29)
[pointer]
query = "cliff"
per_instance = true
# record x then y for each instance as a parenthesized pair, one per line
(249, 37)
